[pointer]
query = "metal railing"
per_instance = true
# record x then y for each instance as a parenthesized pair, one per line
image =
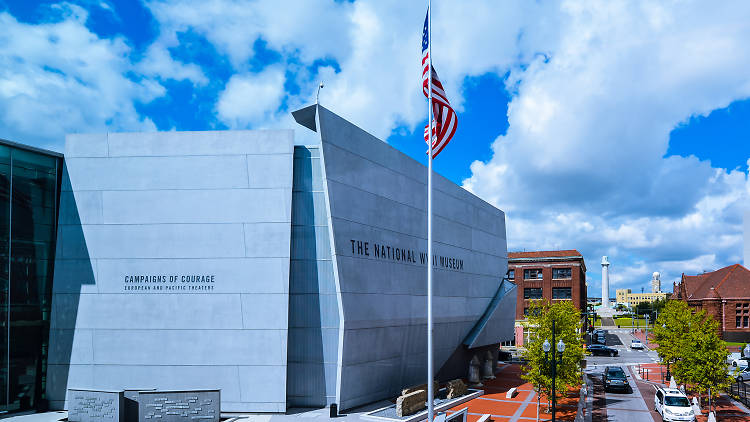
(740, 391)
(653, 374)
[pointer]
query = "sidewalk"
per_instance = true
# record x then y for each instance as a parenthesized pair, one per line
(651, 375)
(521, 408)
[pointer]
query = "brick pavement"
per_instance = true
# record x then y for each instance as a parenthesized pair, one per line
(522, 407)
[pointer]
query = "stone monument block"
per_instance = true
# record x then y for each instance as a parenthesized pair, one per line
(408, 390)
(409, 404)
(95, 405)
(179, 406)
(456, 388)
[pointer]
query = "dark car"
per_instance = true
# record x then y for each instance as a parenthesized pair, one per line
(615, 379)
(602, 350)
(601, 339)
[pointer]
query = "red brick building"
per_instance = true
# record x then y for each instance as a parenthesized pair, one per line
(551, 275)
(723, 294)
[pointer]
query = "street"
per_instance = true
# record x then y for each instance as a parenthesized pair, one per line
(626, 406)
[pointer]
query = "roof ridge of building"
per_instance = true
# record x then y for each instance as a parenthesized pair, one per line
(734, 267)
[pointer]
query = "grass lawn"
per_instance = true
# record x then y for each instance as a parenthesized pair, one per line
(628, 322)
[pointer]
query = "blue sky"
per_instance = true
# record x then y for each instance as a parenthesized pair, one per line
(564, 120)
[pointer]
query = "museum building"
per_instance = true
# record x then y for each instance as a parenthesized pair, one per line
(286, 273)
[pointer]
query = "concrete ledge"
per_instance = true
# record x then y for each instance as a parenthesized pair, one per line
(388, 413)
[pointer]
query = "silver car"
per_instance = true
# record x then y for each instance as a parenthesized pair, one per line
(636, 344)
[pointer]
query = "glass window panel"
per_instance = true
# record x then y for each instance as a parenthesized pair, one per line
(534, 274)
(561, 273)
(4, 244)
(561, 293)
(532, 293)
(32, 233)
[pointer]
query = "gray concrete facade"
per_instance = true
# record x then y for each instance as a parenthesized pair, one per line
(310, 263)
(172, 265)
(376, 198)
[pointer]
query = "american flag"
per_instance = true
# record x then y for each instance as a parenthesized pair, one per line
(444, 120)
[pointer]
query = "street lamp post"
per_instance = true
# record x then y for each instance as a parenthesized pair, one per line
(546, 346)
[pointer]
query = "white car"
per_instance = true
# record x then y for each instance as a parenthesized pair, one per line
(739, 363)
(636, 344)
(740, 373)
(673, 405)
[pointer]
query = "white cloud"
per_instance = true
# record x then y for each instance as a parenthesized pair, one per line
(251, 98)
(589, 128)
(315, 29)
(157, 62)
(57, 78)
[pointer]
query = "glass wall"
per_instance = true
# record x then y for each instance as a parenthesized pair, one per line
(29, 189)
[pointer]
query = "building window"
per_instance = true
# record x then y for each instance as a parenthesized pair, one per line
(561, 273)
(532, 293)
(742, 315)
(535, 274)
(561, 293)
(525, 311)
(511, 274)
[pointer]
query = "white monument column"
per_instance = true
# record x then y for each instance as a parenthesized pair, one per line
(605, 282)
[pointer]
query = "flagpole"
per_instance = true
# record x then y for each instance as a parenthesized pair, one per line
(430, 369)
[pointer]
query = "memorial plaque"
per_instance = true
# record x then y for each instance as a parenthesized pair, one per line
(179, 406)
(95, 405)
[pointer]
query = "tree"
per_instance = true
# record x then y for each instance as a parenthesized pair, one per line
(690, 343)
(705, 367)
(670, 331)
(568, 329)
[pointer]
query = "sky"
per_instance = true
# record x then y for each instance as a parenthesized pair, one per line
(617, 128)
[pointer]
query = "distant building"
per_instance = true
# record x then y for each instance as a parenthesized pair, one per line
(551, 275)
(621, 296)
(725, 295)
(625, 296)
(656, 283)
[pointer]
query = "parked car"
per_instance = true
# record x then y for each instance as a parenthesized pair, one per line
(636, 344)
(673, 405)
(615, 379)
(740, 373)
(732, 356)
(602, 350)
(600, 339)
(740, 363)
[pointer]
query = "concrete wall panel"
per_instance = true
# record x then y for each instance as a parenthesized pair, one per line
(236, 142)
(377, 196)
(172, 266)
(148, 173)
(153, 241)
